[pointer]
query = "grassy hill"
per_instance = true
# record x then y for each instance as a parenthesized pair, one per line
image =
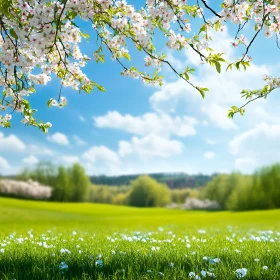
(22, 214)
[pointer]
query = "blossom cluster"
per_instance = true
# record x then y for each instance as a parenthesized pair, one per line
(264, 14)
(30, 189)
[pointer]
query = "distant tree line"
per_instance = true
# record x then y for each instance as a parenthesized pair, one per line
(233, 191)
(246, 192)
(173, 181)
(73, 185)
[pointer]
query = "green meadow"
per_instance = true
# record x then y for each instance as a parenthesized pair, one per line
(46, 240)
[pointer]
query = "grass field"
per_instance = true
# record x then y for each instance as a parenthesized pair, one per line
(42, 240)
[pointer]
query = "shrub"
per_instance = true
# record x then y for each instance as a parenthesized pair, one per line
(120, 199)
(147, 192)
(100, 194)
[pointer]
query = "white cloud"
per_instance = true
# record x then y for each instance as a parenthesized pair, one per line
(268, 112)
(161, 124)
(59, 138)
(209, 155)
(35, 149)
(11, 143)
(262, 138)
(149, 146)
(102, 160)
(79, 141)
(260, 144)
(30, 160)
(4, 163)
(218, 115)
(101, 154)
(177, 63)
(245, 165)
(224, 89)
(70, 159)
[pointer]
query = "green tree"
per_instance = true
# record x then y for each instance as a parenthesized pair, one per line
(246, 192)
(147, 192)
(221, 188)
(240, 197)
(79, 183)
(267, 187)
(62, 191)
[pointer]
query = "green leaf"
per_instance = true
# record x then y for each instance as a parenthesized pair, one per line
(101, 88)
(13, 34)
(230, 114)
(72, 15)
(217, 25)
(203, 28)
(229, 67)
(202, 91)
(49, 102)
(242, 111)
(155, 73)
(218, 66)
(237, 65)
(86, 36)
(187, 77)
(126, 55)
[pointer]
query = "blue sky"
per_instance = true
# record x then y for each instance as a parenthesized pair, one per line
(136, 128)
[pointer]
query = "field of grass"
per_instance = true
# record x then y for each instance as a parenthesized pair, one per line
(43, 240)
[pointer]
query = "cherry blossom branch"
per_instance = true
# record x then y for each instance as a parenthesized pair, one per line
(256, 34)
(253, 99)
(209, 8)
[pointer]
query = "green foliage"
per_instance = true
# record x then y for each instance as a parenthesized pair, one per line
(79, 182)
(120, 199)
(106, 194)
(216, 60)
(147, 192)
(5, 6)
(62, 191)
(266, 183)
(68, 185)
(246, 192)
(179, 196)
(221, 187)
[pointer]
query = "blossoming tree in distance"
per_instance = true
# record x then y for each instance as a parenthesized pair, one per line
(40, 39)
